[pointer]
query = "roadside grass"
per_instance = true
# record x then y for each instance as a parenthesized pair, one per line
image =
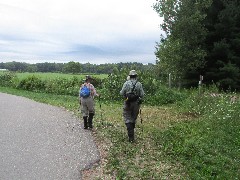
(171, 143)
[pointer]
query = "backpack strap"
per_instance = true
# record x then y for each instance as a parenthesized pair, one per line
(134, 86)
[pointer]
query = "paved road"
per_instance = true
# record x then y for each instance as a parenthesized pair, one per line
(39, 141)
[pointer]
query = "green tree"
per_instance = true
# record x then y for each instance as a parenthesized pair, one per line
(181, 51)
(31, 68)
(202, 38)
(10, 66)
(72, 67)
(222, 44)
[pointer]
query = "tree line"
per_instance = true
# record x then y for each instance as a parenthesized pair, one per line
(202, 37)
(72, 67)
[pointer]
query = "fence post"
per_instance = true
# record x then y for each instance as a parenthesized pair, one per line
(169, 80)
(200, 85)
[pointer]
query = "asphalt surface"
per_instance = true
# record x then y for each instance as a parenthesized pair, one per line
(39, 141)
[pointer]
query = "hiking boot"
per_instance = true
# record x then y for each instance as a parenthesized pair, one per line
(90, 120)
(85, 122)
(131, 139)
(130, 129)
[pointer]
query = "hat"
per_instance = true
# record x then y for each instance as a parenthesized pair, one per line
(88, 77)
(132, 73)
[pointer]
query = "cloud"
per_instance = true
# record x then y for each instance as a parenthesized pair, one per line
(88, 31)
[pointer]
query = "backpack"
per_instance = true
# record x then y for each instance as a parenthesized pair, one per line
(84, 92)
(130, 97)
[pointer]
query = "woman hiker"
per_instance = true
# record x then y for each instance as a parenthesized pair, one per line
(86, 96)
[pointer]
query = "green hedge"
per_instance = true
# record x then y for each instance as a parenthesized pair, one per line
(109, 88)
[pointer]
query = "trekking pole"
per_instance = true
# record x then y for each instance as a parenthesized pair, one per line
(79, 104)
(100, 105)
(141, 120)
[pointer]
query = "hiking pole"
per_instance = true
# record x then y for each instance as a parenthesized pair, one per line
(79, 104)
(141, 120)
(100, 105)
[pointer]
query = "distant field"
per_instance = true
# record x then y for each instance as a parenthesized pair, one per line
(55, 75)
(1, 72)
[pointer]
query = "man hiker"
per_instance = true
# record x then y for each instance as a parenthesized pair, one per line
(133, 93)
(87, 93)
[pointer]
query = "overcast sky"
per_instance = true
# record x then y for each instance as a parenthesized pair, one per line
(95, 31)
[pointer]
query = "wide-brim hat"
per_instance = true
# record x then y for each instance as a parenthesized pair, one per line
(132, 73)
(88, 77)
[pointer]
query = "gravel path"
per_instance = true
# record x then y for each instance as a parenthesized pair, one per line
(39, 141)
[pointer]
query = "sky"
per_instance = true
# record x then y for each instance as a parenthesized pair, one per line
(94, 31)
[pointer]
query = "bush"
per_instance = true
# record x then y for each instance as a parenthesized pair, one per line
(165, 95)
(63, 86)
(109, 88)
(7, 79)
(112, 86)
(155, 93)
(32, 83)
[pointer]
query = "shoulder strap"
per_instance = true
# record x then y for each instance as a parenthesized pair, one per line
(134, 86)
(86, 85)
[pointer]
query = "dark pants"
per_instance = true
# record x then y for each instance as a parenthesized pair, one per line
(130, 111)
(130, 129)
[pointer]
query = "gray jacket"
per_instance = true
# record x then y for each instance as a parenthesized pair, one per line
(128, 86)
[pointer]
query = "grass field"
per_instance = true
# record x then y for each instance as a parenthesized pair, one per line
(56, 75)
(43, 76)
(1, 72)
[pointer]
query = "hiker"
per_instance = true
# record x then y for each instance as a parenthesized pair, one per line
(86, 97)
(133, 93)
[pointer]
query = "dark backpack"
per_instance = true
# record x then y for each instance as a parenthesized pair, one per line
(130, 97)
(84, 91)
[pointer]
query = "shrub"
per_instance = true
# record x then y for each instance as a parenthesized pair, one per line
(165, 95)
(32, 83)
(63, 86)
(7, 79)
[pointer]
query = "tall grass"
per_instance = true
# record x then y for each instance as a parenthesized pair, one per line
(209, 147)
